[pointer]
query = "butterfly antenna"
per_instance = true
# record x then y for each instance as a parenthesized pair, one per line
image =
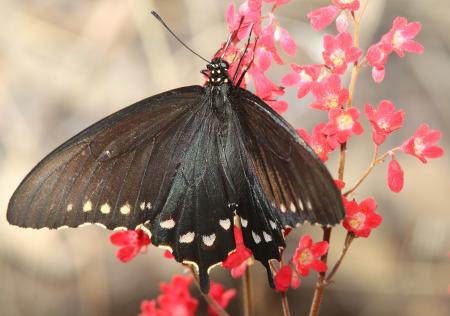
(243, 55)
(156, 15)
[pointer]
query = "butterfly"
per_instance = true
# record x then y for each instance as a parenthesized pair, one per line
(186, 165)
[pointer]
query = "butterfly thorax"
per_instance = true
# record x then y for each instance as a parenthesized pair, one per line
(218, 89)
(218, 73)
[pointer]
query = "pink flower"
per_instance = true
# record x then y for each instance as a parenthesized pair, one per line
(131, 242)
(222, 297)
(360, 219)
(250, 10)
(377, 56)
(240, 258)
(148, 308)
(287, 43)
(279, 106)
(322, 17)
(307, 255)
(401, 35)
(285, 278)
(342, 124)
(318, 141)
(395, 175)
(174, 300)
(266, 43)
(422, 143)
(339, 51)
(384, 121)
(277, 2)
(347, 4)
(304, 76)
(329, 94)
(342, 22)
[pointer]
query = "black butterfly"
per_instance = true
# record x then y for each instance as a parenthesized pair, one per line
(184, 165)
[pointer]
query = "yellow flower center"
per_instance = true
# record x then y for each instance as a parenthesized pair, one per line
(418, 145)
(338, 57)
(332, 101)
(318, 149)
(304, 76)
(357, 221)
(384, 125)
(306, 257)
(398, 39)
(345, 121)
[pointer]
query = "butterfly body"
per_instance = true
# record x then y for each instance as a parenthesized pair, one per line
(185, 165)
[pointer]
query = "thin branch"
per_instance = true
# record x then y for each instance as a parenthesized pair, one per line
(285, 304)
(211, 302)
(320, 285)
(247, 293)
(375, 161)
(348, 240)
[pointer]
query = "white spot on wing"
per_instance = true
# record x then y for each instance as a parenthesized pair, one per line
(119, 228)
(69, 207)
(87, 207)
(148, 205)
(105, 208)
(125, 209)
(244, 222)
(84, 225)
(272, 224)
(282, 208)
(225, 223)
(100, 225)
(209, 240)
(142, 206)
(167, 224)
(267, 237)
(292, 207)
(187, 238)
(308, 205)
(62, 227)
(300, 203)
(256, 237)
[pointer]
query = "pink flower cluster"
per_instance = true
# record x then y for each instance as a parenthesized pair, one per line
(261, 51)
(177, 300)
(399, 39)
(306, 257)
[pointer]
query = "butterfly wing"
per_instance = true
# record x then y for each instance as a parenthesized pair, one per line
(295, 181)
(156, 165)
(113, 173)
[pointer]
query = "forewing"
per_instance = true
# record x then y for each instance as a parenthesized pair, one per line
(117, 172)
(295, 181)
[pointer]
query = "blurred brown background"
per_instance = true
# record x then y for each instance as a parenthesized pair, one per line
(65, 64)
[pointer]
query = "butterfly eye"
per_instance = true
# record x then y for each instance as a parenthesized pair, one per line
(224, 64)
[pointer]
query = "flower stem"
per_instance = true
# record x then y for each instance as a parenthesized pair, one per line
(285, 304)
(348, 240)
(247, 293)
(375, 161)
(211, 302)
(320, 285)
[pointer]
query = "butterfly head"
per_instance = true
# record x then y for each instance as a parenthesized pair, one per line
(218, 72)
